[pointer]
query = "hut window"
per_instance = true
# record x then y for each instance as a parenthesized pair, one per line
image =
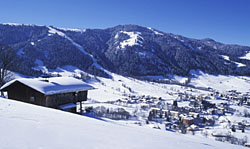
(32, 99)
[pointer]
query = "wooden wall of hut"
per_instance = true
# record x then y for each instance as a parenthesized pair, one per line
(21, 92)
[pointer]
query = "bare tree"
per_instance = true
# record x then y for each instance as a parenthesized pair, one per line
(7, 58)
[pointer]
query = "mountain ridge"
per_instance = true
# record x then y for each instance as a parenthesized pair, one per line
(129, 50)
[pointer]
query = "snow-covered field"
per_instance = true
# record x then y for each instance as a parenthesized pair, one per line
(27, 126)
(120, 87)
(113, 89)
(222, 83)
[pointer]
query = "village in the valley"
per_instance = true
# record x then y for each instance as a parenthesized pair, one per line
(215, 115)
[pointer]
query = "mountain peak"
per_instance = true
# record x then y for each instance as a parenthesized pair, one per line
(208, 39)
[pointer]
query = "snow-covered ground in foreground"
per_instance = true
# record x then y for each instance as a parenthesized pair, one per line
(28, 126)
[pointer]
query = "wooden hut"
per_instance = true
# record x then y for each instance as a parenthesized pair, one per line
(58, 92)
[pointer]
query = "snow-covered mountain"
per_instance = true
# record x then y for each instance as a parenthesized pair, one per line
(129, 50)
(29, 126)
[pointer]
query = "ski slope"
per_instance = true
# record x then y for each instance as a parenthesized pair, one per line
(25, 126)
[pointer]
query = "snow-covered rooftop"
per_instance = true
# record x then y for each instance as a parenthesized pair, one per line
(54, 85)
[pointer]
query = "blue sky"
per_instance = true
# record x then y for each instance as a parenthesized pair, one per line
(226, 21)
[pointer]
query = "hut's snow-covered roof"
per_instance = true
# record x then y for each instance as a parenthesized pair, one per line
(52, 86)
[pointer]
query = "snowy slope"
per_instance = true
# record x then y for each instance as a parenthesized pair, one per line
(53, 31)
(247, 56)
(154, 31)
(28, 126)
(237, 63)
(134, 39)
(120, 87)
(113, 89)
(73, 30)
(222, 83)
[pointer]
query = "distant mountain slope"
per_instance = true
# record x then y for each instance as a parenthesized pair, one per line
(29, 126)
(125, 49)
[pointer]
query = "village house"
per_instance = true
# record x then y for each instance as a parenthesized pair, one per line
(174, 114)
(59, 92)
(187, 120)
